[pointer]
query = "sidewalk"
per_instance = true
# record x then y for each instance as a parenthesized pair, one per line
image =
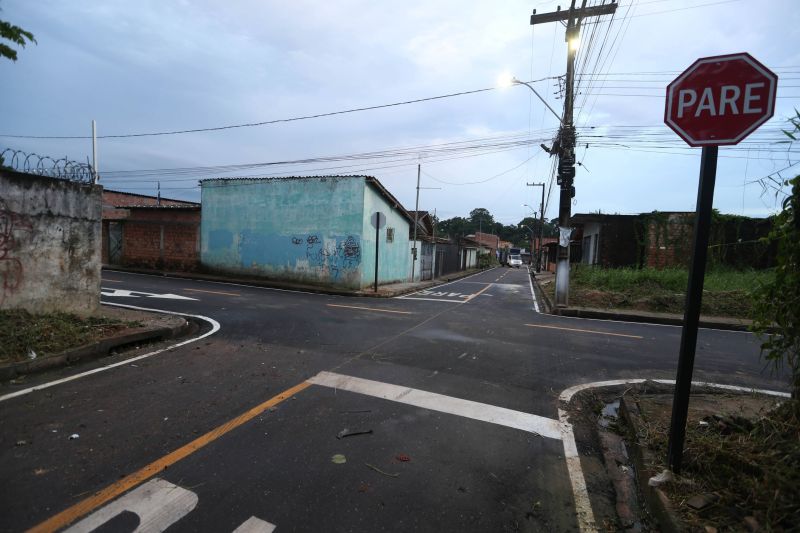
(543, 279)
(384, 291)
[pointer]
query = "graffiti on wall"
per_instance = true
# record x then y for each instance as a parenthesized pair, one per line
(331, 257)
(11, 268)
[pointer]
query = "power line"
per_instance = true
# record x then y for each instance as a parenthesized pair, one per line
(481, 180)
(263, 123)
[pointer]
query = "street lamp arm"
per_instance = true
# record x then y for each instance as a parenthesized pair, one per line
(518, 82)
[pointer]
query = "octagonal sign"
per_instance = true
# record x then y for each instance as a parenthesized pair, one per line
(720, 100)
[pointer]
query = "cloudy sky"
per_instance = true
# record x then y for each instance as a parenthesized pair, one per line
(159, 66)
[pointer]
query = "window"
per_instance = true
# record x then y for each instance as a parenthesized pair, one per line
(389, 234)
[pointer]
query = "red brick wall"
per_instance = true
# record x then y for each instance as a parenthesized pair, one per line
(668, 240)
(161, 239)
(104, 242)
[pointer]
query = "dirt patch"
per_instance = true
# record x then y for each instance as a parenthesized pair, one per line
(741, 462)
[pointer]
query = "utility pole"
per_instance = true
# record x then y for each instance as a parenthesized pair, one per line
(94, 152)
(416, 220)
(435, 264)
(541, 226)
(564, 144)
(414, 251)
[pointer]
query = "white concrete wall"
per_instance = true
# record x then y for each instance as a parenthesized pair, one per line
(591, 230)
(50, 243)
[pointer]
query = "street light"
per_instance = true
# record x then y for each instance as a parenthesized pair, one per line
(507, 80)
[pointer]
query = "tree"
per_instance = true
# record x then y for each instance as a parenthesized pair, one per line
(453, 227)
(777, 304)
(16, 35)
(481, 217)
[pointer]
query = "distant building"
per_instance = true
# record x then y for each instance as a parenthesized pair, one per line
(314, 230)
(663, 240)
(150, 232)
(607, 240)
(488, 243)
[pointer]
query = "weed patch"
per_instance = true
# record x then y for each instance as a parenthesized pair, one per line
(23, 334)
(726, 293)
(747, 459)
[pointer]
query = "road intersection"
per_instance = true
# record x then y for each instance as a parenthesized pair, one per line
(458, 387)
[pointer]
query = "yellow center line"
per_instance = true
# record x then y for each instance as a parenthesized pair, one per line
(213, 292)
(107, 494)
(478, 293)
(585, 331)
(371, 309)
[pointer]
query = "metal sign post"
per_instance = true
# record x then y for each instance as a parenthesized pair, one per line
(717, 101)
(694, 298)
(378, 220)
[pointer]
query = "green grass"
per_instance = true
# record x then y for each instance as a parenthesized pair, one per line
(726, 291)
(668, 279)
(47, 334)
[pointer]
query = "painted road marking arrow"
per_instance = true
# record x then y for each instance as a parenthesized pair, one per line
(123, 293)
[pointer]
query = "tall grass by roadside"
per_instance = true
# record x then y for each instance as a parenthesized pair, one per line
(668, 279)
(23, 334)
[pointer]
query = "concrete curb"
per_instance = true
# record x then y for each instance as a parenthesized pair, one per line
(547, 304)
(384, 292)
(650, 318)
(93, 350)
(657, 502)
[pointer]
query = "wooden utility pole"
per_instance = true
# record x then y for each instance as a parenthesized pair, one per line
(541, 226)
(416, 222)
(564, 144)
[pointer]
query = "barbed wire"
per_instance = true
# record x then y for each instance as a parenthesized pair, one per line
(42, 165)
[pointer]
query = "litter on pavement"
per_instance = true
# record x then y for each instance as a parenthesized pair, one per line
(351, 433)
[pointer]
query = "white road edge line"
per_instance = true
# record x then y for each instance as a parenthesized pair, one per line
(533, 294)
(214, 328)
(545, 427)
(583, 505)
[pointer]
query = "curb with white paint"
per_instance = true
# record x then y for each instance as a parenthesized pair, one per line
(214, 328)
(533, 294)
(583, 505)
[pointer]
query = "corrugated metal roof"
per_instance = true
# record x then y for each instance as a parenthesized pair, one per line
(278, 178)
(173, 207)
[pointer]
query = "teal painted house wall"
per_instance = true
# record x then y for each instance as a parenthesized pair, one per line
(394, 260)
(310, 230)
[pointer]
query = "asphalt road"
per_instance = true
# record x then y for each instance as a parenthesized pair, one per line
(457, 386)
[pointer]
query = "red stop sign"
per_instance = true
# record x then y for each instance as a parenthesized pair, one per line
(720, 100)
